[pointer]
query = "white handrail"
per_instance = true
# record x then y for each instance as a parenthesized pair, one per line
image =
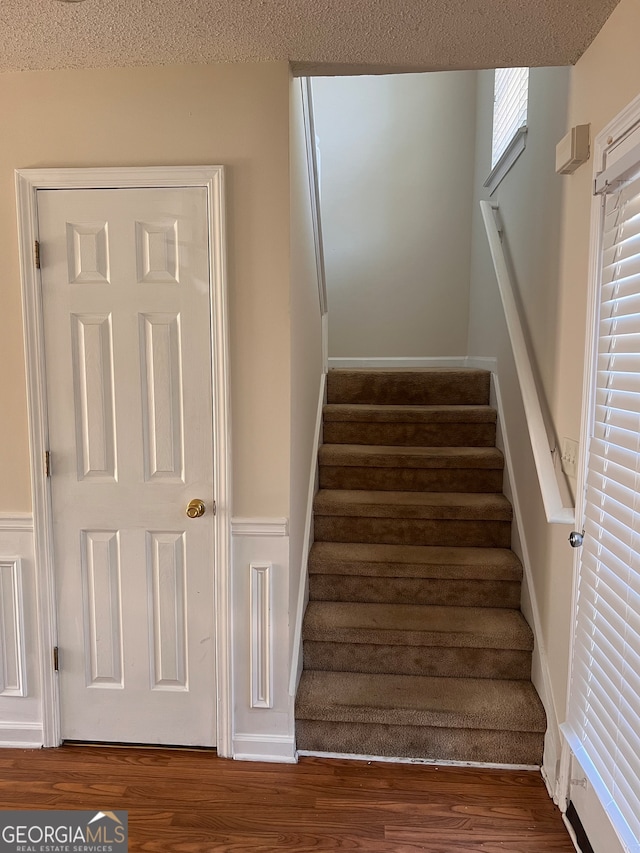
(554, 507)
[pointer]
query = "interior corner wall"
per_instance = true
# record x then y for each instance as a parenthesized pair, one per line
(396, 166)
(306, 342)
(235, 115)
(530, 199)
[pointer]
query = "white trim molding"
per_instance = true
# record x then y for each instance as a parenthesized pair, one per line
(13, 663)
(511, 153)
(211, 178)
(16, 521)
(19, 735)
(260, 526)
(375, 363)
(260, 585)
(277, 748)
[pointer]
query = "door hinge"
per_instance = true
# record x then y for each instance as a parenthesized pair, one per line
(36, 253)
(47, 463)
(56, 659)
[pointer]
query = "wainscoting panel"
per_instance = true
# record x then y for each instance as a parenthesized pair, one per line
(20, 695)
(263, 727)
(261, 636)
(13, 676)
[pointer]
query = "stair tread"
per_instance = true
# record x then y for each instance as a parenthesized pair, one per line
(461, 703)
(368, 412)
(433, 505)
(428, 561)
(385, 456)
(418, 386)
(417, 625)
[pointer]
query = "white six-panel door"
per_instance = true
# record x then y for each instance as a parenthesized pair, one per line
(125, 289)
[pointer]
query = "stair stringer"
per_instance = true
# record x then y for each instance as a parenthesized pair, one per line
(540, 674)
(295, 670)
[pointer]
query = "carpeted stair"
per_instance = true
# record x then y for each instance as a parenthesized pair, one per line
(414, 644)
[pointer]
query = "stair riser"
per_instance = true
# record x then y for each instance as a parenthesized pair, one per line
(461, 593)
(410, 435)
(409, 531)
(411, 479)
(426, 742)
(417, 660)
(411, 389)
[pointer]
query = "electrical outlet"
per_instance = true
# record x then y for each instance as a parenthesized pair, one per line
(569, 456)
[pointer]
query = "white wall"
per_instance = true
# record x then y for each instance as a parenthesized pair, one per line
(397, 158)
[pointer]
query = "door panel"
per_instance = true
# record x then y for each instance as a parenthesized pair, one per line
(125, 279)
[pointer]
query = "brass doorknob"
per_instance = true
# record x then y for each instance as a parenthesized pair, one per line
(195, 508)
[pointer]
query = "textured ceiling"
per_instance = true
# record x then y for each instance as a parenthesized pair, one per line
(322, 36)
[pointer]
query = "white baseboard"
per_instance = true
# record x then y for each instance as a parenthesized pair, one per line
(481, 363)
(274, 748)
(354, 363)
(16, 735)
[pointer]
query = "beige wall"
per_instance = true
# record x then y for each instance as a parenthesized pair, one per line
(397, 178)
(306, 344)
(235, 115)
(530, 201)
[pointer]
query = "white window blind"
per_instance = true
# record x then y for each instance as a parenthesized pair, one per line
(510, 99)
(604, 716)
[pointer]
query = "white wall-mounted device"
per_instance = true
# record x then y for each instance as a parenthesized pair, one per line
(573, 150)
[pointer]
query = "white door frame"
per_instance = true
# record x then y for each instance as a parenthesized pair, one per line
(28, 182)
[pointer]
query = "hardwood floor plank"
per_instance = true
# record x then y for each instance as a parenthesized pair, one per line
(193, 802)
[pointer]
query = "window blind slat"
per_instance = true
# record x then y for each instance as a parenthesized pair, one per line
(603, 725)
(624, 362)
(622, 418)
(609, 538)
(627, 306)
(620, 287)
(601, 560)
(620, 343)
(604, 472)
(617, 399)
(626, 325)
(609, 434)
(603, 509)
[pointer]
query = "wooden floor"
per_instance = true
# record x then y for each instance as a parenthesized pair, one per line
(195, 802)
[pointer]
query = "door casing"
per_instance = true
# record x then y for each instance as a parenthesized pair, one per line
(28, 182)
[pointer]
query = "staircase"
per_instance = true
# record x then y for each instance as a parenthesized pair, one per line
(414, 644)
